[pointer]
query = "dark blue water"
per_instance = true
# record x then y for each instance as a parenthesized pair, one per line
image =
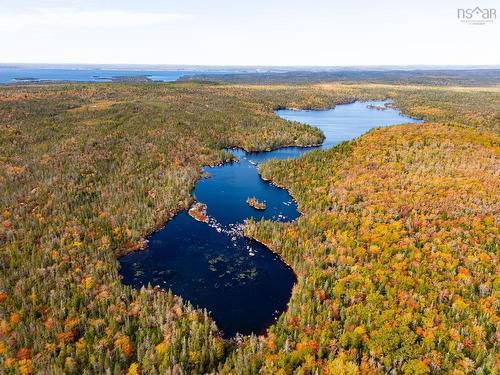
(23, 74)
(240, 282)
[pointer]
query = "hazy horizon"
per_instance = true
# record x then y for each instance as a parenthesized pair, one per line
(317, 33)
(56, 65)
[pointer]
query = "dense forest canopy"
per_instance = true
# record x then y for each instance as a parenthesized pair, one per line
(433, 77)
(396, 251)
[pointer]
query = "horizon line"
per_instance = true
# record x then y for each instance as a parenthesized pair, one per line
(259, 66)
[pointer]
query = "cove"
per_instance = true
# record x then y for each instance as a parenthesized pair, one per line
(242, 284)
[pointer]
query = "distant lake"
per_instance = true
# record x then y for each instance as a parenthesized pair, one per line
(243, 285)
(21, 74)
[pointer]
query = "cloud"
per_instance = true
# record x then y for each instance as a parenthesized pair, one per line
(80, 19)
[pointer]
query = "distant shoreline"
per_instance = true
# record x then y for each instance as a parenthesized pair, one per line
(26, 74)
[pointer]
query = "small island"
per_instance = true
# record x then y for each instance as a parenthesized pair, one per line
(253, 202)
(377, 107)
(131, 79)
(25, 79)
(199, 212)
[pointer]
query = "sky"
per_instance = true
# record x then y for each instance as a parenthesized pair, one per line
(255, 32)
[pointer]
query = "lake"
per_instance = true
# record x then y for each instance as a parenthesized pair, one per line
(242, 284)
(13, 74)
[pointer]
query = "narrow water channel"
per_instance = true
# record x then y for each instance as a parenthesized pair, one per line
(242, 284)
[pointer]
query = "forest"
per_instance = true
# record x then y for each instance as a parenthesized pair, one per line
(396, 252)
(432, 77)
